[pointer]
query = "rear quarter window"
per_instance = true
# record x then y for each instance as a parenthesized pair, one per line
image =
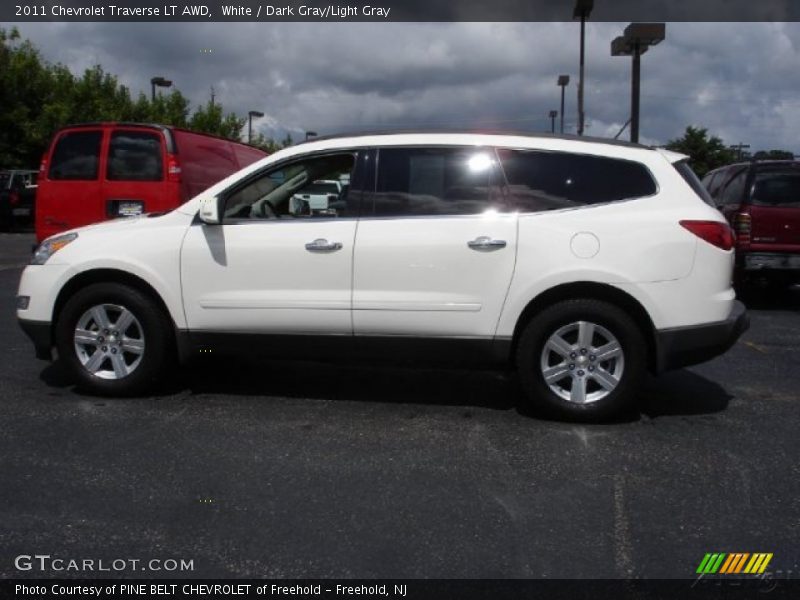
(76, 156)
(689, 177)
(542, 180)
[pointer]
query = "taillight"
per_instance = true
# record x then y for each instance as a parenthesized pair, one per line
(742, 225)
(715, 233)
(43, 165)
(173, 168)
(13, 197)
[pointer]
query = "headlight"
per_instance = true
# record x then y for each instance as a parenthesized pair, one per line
(50, 246)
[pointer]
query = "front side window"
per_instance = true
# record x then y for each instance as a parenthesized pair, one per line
(778, 187)
(76, 156)
(135, 156)
(541, 180)
(314, 187)
(435, 181)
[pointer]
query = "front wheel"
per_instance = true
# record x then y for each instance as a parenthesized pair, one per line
(114, 340)
(581, 359)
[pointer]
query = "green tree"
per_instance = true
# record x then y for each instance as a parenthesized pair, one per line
(705, 152)
(211, 119)
(774, 155)
(37, 98)
(267, 143)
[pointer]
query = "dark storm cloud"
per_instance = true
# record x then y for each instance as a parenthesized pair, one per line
(738, 79)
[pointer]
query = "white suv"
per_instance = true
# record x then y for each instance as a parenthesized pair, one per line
(581, 262)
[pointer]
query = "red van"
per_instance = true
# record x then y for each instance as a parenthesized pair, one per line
(98, 171)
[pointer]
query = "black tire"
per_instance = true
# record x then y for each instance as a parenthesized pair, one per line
(153, 324)
(561, 317)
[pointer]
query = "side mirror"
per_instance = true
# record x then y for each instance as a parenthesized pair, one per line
(209, 210)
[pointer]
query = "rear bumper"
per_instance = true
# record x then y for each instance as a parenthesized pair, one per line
(40, 334)
(768, 261)
(683, 346)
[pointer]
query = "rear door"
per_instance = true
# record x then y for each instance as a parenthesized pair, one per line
(70, 192)
(435, 249)
(135, 173)
(775, 208)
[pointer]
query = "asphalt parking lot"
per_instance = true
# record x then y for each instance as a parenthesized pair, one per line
(316, 470)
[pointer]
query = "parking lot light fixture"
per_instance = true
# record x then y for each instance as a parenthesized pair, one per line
(582, 10)
(553, 114)
(563, 81)
(253, 113)
(160, 82)
(637, 38)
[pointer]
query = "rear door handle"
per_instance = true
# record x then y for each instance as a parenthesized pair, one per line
(323, 245)
(486, 243)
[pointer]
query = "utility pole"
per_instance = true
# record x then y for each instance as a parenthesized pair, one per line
(739, 147)
(582, 9)
(212, 95)
(553, 114)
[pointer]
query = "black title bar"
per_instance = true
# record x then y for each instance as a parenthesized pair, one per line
(395, 10)
(701, 588)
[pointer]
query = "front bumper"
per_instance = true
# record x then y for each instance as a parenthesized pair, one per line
(40, 333)
(683, 346)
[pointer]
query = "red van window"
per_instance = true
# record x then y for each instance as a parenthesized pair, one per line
(135, 156)
(76, 156)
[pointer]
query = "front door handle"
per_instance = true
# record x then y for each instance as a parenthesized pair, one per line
(486, 243)
(323, 245)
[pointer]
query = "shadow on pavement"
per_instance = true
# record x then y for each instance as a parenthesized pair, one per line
(770, 297)
(682, 393)
(678, 393)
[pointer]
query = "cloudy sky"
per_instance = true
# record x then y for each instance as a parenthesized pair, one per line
(740, 80)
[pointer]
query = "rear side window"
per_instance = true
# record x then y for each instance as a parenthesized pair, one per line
(552, 180)
(135, 156)
(689, 177)
(733, 192)
(76, 156)
(777, 188)
(434, 181)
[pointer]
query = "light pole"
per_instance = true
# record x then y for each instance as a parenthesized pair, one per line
(310, 134)
(738, 148)
(563, 81)
(553, 114)
(583, 9)
(637, 38)
(160, 82)
(250, 115)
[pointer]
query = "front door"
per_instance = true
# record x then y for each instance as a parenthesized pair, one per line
(274, 265)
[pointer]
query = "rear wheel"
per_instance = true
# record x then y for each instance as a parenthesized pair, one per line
(581, 359)
(114, 340)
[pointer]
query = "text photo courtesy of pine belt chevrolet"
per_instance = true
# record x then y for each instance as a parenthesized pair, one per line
(580, 263)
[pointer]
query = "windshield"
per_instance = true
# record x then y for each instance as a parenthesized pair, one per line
(777, 188)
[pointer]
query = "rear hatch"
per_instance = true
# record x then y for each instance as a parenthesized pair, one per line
(774, 208)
